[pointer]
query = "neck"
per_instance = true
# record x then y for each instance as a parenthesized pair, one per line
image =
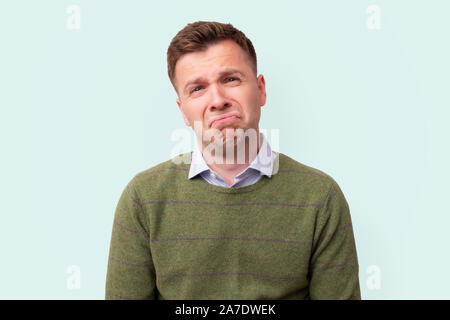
(228, 171)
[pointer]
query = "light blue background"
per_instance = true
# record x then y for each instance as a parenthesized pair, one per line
(82, 111)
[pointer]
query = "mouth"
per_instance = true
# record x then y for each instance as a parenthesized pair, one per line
(226, 118)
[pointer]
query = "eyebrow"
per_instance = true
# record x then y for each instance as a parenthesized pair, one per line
(226, 72)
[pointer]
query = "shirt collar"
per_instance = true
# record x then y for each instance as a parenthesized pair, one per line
(263, 161)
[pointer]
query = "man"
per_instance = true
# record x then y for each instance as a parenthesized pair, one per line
(236, 220)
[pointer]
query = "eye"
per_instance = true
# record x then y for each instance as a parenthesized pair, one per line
(195, 89)
(231, 78)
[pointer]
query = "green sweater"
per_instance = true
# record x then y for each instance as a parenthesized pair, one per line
(285, 237)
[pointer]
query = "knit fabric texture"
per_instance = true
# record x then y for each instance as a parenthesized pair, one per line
(285, 237)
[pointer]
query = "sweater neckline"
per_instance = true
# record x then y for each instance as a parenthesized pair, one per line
(231, 190)
(264, 180)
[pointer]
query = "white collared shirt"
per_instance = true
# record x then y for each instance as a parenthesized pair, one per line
(261, 165)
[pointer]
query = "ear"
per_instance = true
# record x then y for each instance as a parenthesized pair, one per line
(262, 90)
(186, 120)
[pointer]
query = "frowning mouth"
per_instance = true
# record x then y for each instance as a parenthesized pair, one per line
(230, 117)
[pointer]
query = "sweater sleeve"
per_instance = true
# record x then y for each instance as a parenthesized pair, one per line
(334, 263)
(131, 273)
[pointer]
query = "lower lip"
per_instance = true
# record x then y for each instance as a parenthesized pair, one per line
(225, 120)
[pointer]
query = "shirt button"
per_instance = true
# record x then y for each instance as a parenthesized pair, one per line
(212, 175)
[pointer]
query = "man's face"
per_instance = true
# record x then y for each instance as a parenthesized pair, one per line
(217, 82)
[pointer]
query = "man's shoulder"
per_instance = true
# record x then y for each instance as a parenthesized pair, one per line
(298, 172)
(168, 171)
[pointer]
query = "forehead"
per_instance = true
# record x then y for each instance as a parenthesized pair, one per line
(218, 56)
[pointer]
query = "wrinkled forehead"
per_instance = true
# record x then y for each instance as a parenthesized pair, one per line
(207, 63)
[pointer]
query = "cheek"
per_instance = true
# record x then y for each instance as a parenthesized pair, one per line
(242, 94)
(194, 111)
(249, 98)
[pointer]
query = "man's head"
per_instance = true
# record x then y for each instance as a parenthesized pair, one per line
(212, 67)
(198, 36)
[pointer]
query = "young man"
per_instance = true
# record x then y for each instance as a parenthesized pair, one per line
(236, 220)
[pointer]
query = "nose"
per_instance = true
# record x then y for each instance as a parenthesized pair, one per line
(218, 99)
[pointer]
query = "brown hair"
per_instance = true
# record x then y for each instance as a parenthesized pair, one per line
(199, 35)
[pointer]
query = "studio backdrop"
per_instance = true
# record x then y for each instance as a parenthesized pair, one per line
(357, 89)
